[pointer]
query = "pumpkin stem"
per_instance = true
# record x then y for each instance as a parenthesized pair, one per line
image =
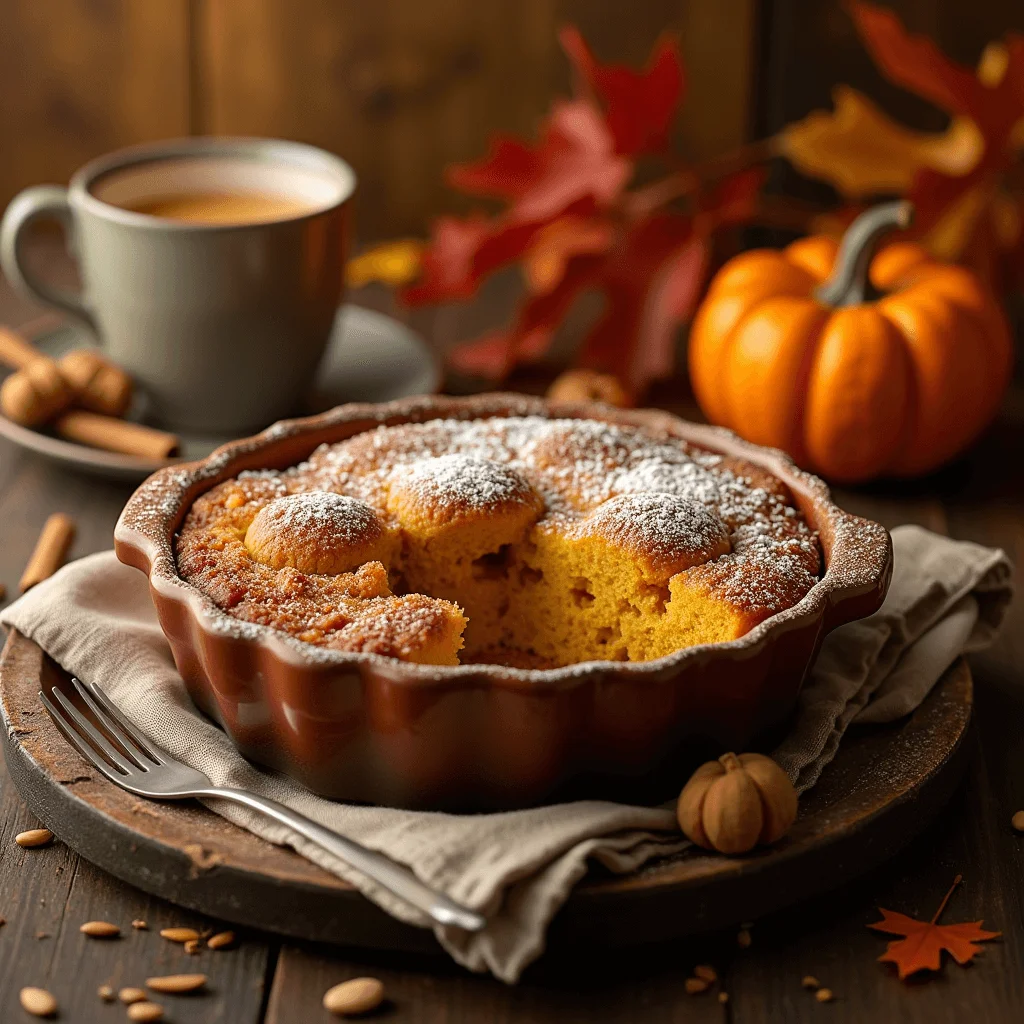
(730, 762)
(849, 283)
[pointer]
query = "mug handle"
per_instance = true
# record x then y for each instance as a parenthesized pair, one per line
(37, 203)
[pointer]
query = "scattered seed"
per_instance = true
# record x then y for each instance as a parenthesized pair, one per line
(132, 995)
(743, 939)
(694, 986)
(824, 995)
(38, 1002)
(34, 837)
(106, 993)
(706, 971)
(145, 1011)
(100, 929)
(723, 997)
(42, 935)
(1017, 821)
(222, 940)
(192, 947)
(810, 981)
(179, 934)
(176, 982)
(358, 995)
(140, 926)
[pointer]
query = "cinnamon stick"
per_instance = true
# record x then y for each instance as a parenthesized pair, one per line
(50, 551)
(99, 385)
(15, 351)
(36, 393)
(115, 435)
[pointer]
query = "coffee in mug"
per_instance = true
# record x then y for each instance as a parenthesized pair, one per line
(211, 270)
(221, 207)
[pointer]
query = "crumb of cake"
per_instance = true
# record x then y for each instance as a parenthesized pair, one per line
(525, 540)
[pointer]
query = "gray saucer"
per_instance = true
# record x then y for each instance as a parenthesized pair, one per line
(371, 358)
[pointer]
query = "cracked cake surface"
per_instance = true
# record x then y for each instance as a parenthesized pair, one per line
(519, 541)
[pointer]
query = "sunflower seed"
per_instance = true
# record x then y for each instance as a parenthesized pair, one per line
(38, 1001)
(145, 1011)
(359, 995)
(100, 929)
(176, 982)
(34, 837)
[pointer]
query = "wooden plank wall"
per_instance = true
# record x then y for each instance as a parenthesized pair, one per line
(398, 87)
(402, 87)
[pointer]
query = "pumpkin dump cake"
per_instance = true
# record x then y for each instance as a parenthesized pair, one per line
(524, 541)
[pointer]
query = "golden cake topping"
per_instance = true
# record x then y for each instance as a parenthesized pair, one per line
(450, 489)
(530, 541)
(664, 533)
(317, 531)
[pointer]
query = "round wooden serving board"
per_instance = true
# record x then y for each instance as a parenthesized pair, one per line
(883, 787)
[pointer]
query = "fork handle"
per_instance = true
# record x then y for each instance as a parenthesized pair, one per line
(396, 878)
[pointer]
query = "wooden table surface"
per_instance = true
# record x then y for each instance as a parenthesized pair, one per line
(46, 894)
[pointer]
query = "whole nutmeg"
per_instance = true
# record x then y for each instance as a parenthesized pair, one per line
(735, 803)
(589, 386)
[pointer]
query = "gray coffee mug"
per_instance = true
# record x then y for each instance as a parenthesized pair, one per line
(222, 324)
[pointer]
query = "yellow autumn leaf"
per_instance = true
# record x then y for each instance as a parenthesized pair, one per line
(391, 263)
(861, 151)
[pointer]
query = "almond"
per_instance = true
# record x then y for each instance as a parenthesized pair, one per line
(694, 986)
(222, 940)
(706, 971)
(179, 934)
(824, 995)
(176, 982)
(132, 995)
(34, 837)
(810, 982)
(100, 929)
(38, 1001)
(145, 1011)
(358, 995)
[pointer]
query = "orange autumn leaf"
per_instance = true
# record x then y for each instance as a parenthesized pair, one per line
(922, 944)
(861, 151)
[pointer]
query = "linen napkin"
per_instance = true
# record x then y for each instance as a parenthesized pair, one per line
(95, 618)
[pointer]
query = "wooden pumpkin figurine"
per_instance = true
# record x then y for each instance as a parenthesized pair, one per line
(858, 365)
(735, 803)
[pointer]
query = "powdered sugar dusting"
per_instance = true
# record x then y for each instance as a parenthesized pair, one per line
(667, 531)
(462, 479)
(308, 513)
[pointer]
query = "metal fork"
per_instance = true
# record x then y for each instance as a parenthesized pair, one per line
(136, 764)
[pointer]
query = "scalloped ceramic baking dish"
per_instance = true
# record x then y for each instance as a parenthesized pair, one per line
(368, 728)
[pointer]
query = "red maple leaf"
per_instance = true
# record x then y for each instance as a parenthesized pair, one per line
(640, 105)
(923, 942)
(574, 226)
(575, 160)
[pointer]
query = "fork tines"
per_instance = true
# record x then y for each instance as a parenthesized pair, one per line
(119, 744)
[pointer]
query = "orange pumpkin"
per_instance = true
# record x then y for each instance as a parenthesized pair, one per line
(857, 365)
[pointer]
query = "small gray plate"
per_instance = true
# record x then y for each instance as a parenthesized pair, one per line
(371, 357)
